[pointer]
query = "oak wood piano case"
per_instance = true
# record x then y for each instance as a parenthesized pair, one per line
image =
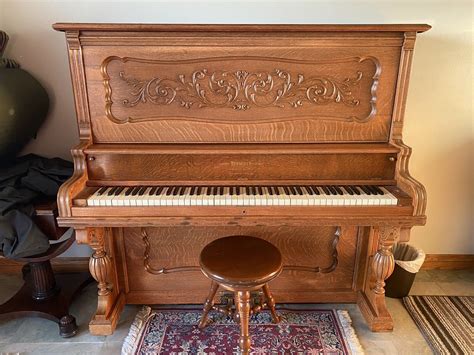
(240, 105)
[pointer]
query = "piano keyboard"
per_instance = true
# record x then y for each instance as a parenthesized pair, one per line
(328, 195)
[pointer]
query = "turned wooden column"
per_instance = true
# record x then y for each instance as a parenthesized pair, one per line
(383, 262)
(243, 308)
(44, 283)
(99, 263)
(110, 300)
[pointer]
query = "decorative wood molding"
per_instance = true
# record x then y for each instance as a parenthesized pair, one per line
(240, 89)
(76, 65)
(402, 84)
(317, 269)
(75, 183)
(162, 270)
(407, 182)
(448, 262)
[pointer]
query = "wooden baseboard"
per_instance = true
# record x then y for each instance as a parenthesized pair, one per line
(448, 262)
(81, 264)
(60, 265)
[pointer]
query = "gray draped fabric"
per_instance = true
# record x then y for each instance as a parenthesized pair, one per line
(22, 182)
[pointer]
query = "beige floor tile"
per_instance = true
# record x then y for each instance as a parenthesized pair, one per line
(459, 288)
(430, 288)
(52, 348)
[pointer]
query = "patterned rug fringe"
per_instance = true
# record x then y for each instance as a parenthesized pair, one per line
(134, 339)
(349, 332)
(131, 341)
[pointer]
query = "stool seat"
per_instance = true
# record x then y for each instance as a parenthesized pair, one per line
(241, 260)
(241, 264)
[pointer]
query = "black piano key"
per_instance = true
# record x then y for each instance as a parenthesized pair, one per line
(270, 190)
(326, 190)
(208, 191)
(128, 191)
(355, 189)
(169, 191)
(119, 190)
(181, 190)
(365, 189)
(247, 190)
(260, 190)
(112, 191)
(287, 190)
(315, 190)
(308, 190)
(379, 190)
(221, 190)
(193, 190)
(199, 190)
(135, 190)
(142, 190)
(332, 190)
(349, 190)
(338, 190)
(372, 190)
(237, 190)
(102, 190)
(159, 190)
(298, 190)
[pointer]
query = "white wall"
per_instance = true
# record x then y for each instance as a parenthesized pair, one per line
(438, 118)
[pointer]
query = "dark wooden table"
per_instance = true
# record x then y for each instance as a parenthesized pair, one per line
(45, 294)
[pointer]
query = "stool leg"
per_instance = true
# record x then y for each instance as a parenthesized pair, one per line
(243, 307)
(208, 304)
(271, 303)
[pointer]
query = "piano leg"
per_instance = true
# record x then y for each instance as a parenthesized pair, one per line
(371, 299)
(102, 268)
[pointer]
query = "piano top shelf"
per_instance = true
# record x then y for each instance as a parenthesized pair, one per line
(247, 148)
(140, 27)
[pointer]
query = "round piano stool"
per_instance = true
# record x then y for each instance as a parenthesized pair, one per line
(240, 264)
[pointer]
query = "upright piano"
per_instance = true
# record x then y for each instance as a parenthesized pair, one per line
(290, 133)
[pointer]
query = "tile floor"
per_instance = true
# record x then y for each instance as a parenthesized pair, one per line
(38, 336)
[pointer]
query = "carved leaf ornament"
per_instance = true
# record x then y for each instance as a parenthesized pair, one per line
(240, 90)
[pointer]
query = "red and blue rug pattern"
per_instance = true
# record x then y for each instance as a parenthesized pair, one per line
(175, 331)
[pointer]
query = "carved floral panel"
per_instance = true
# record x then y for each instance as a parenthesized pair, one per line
(241, 88)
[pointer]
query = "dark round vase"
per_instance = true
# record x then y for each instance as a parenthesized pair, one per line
(23, 108)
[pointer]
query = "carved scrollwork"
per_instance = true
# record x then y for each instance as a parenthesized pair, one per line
(163, 270)
(317, 269)
(240, 89)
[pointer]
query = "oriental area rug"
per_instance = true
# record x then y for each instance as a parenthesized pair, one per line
(175, 331)
(446, 322)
